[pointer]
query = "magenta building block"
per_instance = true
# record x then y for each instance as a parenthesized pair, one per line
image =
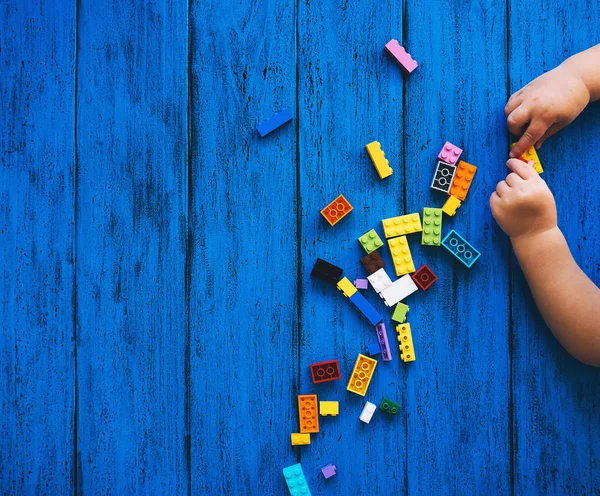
(450, 153)
(329, 470)
(361, 283)
(384, 344)
(401, 56)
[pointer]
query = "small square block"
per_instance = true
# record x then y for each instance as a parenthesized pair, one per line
(372, 262)
(329, 471)
(373, 349)
(424, 277)
(400, 312)
(336, 210)
(361, 283)
(452, 204)
(450, 153)
(370, 241)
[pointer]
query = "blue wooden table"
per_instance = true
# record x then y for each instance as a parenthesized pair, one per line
(157, 313)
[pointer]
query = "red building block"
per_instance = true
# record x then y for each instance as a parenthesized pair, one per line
(325, 371)
(424, 277)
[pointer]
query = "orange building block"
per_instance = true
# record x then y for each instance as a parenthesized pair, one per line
(462, 180)
(361, 375)
(308, 413)
(336, 210)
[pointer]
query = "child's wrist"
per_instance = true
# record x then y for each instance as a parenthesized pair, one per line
(573, 66)
(534, 239)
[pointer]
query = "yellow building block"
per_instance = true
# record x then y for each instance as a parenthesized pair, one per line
(379, 161)
(329, 408)
(404, 224)
(407, 350)
(299, 439)
(403, 262)
(531, 154)
(361, 375)
(451, 205)
(346, 287)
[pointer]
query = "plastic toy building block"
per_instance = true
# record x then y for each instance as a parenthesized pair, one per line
(361, 283)
(329, 408)
(325, 371)
(373, 349)
(370, 241)
(295, 480)
(401, 56)
(336, 210)
(432, 226)
(379, 280)
(367, 412)
(379, 161)
(400, 312)
(329, 471)
(389, 406)
(403, 262)
(372, 262)
(450, 153)
(346, 287)
(460, 248)
(424, 277)
(462, 180)
(274, 122)
(326, 272)
(407, 350)
(451, 206)
(399, 290)
(307, 409)
(300, 439)
(531, 154)
(443, 177)
(366, 308)
(404, 224)
(386, 354)
(361, 375)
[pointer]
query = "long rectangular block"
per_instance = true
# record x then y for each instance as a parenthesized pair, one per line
(379, 161)
(407, 350)
(361, 374)
(295, 480)
(403, 224)
(278, 120)
(399, 290)
(401, 56)
(366, 308)
(460, 248)
(384, 345)
(308, 413)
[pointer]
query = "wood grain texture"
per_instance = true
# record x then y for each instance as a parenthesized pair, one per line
(243, 317)
(556, 428)
(458, 389)
(37, 63)
(131, 246)
(350, 94)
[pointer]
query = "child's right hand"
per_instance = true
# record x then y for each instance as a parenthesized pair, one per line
(545, 106)
(523, 204)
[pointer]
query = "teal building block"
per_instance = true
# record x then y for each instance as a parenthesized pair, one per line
(460, 248)
(295, 480)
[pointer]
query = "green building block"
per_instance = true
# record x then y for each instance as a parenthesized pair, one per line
(400, 312)
(432, 227)
(389, 406)
(371, 241)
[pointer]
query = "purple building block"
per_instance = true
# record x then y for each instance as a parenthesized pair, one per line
(384, 344)
(329, 470)
(373, 349)
(361, 283)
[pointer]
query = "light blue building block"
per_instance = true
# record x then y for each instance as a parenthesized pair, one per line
(295, 480)
(460, 248)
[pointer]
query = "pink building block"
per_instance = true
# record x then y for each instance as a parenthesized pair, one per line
(329, 470)
(450, 153)
(401, 56)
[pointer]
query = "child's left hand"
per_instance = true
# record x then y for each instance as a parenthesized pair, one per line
(523, 204)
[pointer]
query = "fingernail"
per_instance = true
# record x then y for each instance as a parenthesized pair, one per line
(511, 154)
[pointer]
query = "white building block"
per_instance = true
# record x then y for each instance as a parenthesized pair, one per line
(367, 412)
(379, 280)
(399, 290)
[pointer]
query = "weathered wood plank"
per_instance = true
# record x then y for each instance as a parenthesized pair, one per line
(350, 94)
(458, 389)
(556, 398)
(131, 242)
(37, 64)
(243, 307)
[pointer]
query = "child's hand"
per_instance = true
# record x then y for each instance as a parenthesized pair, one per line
(523, 203)
(545, 106)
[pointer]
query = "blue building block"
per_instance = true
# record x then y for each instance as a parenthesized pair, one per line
(274, 122)
(373, 349)
(295, 480)
(460, 248)
(366, 308)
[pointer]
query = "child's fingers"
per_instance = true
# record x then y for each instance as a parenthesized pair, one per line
(502, 188)
(532, 134)
(494, 201)
(524, 169)
(518, 120)
(553, 129)
(513, 102)
(513, 179)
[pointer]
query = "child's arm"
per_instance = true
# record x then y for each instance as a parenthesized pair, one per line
(553, 100)
(567, 299)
